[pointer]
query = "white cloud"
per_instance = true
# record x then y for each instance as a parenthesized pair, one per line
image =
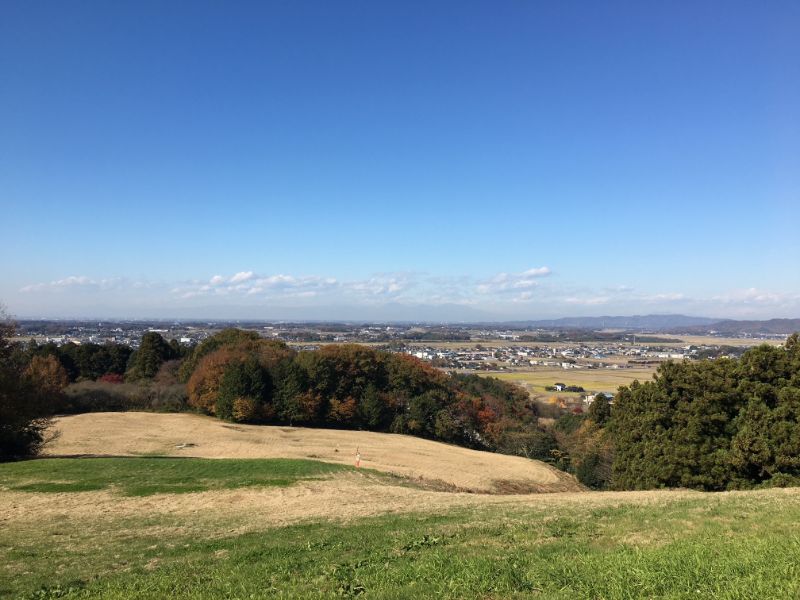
(80, 282)
(513, 282)
(587, 301)
(248, 284)
(71, 281)
(242, 276)
(537, 272)
(668, 297)
(524, 297)
(528, 293)
(380, 285)
(755, 296)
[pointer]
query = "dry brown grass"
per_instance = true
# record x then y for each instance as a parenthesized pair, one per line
(438, 465)
(711, 340)
(341, 498)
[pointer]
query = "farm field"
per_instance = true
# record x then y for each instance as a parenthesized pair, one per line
(346, 533)
(673, 341)
(593, 380)
(711, 340)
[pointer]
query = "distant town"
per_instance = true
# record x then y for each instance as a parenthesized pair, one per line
(460, 347)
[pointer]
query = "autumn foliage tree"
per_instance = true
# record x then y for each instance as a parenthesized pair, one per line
(249, 379)
(48, 374)
(204, 383)
(226, 337)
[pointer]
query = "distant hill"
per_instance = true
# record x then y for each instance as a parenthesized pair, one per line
(669, 324)
(649, 322)
(391, 312)
(770, 327)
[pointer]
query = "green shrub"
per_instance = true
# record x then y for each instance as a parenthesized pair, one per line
(589, 471)
(99, 396)
(568, 423)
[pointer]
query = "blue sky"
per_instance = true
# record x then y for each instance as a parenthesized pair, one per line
(506, 160)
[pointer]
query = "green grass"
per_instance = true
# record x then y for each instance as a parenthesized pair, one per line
(727, 546)
(145, 476)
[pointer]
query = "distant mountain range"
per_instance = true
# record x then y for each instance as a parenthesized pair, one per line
(731, 327)
(650, 322)
(668, 324)
(453, 314)
(393, 312)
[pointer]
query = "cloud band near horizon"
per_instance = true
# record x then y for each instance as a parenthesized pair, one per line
(533, 293)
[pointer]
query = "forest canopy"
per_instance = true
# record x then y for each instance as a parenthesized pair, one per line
(253, 380)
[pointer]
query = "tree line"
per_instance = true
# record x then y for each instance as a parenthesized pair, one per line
(238, 376)
(709, 424)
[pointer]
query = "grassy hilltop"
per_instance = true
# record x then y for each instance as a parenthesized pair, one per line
(249, 505)
(223, 539)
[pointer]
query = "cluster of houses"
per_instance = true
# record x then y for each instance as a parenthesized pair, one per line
(583, 356)
(111, 333)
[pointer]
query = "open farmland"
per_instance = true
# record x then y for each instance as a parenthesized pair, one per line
(592, 380)
(713, 340)
(148, 527)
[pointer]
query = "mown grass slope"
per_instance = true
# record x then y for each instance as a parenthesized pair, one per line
(593, 545)
(157, 475)
(181, 435)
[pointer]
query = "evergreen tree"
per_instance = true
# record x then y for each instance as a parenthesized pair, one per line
(245, 380)
(26, 396)
(600, 409)
(713, 424)
(147, 360)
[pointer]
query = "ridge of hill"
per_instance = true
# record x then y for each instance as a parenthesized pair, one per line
(650, 322)
(433, 464)
(768, 327)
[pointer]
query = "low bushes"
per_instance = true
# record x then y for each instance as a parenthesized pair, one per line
(100, 396)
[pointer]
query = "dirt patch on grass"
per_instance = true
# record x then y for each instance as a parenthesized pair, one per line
(510, 486)
(433, 464)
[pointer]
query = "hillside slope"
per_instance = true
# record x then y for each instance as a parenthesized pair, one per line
(439, 465)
